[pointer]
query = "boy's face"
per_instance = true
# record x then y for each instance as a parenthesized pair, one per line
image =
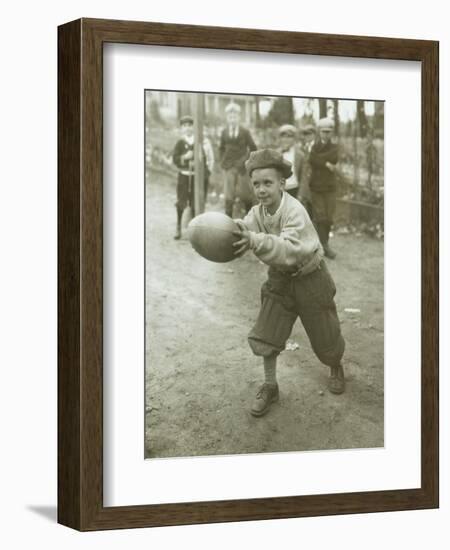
(325, 135)
(308, 137)
(187, 129)
(286, 141)
(233, 118)
(268, 185)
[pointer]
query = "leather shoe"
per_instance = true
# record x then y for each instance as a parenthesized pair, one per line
(267, 394)
(336, 382)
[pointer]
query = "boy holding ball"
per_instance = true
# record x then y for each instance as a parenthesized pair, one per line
(280, 233)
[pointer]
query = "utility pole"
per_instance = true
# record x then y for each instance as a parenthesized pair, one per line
(356, 133)
(323, 113)
(336, 116)
(199, 175)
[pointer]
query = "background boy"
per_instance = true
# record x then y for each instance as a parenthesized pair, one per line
(236, 143)
(292, 153)
(183, 158)
(280, 233)
(208, 151)
(307, 137)
(323, 159)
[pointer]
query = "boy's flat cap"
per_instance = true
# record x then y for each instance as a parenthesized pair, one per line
(287, 130)
(186, 119)
(232, 108)
(268, 158)
(308, 129)
(326, 124)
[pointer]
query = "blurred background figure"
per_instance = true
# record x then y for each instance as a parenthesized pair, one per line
(307, 138)
(209, 158)
(323, 159)
(358, 133)
(183, 158)
(291, 152)
(236, 143)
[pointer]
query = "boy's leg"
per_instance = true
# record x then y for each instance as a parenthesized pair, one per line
(179, 218)
(318, 215)
(268, 393)
(330, 208)
(244, 191)
(317, 309)
(206, 184)
(229, 190)
(191, 195)
(307, 204)
(320, 212)
(270, 369)
(182, 200)
(268, 338)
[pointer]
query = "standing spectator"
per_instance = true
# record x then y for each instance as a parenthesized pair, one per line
(183, 158)
(308, 134)
(209, 158)
(323, 159)
(293, 154)
(236, 143)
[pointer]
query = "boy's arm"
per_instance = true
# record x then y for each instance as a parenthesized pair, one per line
(287, 249)
(222, 145)
(177, 153)
(246, 226)
(299, 163)
(209, 155)
(250, 142)
(249, 221)
(320, 159)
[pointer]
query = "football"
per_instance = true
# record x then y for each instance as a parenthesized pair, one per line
(211, 235)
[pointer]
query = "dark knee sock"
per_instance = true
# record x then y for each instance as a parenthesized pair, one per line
(179, 216)
(326, 232)
(229, 208)
(322, 232)
(270, 369)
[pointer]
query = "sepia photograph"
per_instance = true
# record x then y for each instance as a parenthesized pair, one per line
(264, 274)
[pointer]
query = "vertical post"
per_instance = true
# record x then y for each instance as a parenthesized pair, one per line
(371, 156)
(355, 150)
(199, 177)
(322, 108)
(257, 113)
(336, 116)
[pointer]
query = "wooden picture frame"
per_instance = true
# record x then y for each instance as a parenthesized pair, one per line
(80, 272)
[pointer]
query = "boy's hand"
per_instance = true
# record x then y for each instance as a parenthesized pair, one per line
(331, 167)
(189, 155)
(243, 244)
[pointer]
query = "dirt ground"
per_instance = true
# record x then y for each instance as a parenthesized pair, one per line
(201, 376)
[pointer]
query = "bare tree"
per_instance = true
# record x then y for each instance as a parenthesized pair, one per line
(322, 108)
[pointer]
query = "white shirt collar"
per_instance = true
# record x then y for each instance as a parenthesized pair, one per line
(289, 151)
(268, 215)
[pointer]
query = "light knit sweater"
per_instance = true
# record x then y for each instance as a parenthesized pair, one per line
(286, 240)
